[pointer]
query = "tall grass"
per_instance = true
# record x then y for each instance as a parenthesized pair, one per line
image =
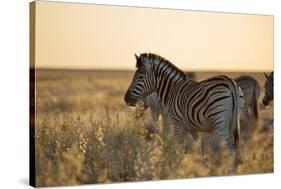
(86, 134)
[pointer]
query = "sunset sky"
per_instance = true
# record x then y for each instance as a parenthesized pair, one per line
(71, 35)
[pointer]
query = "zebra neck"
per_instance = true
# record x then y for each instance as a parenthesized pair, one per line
(165, 87)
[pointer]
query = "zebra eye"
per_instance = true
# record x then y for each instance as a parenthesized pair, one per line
(141, 76)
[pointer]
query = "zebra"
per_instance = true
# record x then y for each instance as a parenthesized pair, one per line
(212, 105)
(268, 86)
(251, 90)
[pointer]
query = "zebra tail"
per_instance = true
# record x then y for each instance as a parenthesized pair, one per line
(235, 121)
(255, 104)
(239, 103)
(255, 108)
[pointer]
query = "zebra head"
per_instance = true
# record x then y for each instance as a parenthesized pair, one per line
(268, 87)
(143, 83)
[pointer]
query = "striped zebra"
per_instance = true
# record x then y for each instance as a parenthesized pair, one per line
(268, 87)
(251, 90)
(212, 105)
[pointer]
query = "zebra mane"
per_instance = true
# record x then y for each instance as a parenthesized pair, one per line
(152, 57)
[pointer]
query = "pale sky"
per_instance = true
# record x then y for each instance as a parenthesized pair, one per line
(71, 35)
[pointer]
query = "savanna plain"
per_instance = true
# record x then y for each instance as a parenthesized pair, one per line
(85, 133)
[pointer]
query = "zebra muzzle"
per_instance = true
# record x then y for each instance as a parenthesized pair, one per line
(129, 100)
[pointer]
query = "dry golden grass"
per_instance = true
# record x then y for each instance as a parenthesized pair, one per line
(86, 134)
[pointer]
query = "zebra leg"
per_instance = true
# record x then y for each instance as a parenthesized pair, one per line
(179, 133)
(247, 124)
(225, 139)
(188, 141)
(182, 137)
(250, 125)
(201, 146)
(228, 146)
(233, 147)
(154, 116)
(236, 133)
(198, 136)
(165, 129)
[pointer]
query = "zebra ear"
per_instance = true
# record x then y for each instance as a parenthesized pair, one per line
(265, 75)
(136, 56)
(138, 62)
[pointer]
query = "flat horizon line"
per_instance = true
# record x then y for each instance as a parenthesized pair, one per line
(131, 70)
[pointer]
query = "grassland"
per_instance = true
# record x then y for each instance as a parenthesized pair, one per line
(86, 134)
